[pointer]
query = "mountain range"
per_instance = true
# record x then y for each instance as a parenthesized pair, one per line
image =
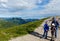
(9, 22)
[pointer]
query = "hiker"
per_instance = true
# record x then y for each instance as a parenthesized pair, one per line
(53, 29)
(56, 25)
(46, 29)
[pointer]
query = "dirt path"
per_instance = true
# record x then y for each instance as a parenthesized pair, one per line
(36, 36)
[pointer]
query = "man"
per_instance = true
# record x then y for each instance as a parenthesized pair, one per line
(53, 29)
(46, 29)
(56, 25)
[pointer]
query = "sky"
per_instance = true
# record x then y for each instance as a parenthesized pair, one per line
(29, 8)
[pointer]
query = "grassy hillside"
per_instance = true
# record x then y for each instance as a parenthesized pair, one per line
(6, 34)
(10, 22)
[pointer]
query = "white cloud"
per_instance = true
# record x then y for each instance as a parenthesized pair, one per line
(25, 8)
(3, 3)
(52, 8)
(3, 0)
(25, 4)
(53, 5)
(28, 4)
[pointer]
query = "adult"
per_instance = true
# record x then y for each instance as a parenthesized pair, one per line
(53, 29)
(56, 25)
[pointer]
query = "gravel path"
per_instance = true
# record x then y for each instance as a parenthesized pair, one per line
(36, 35)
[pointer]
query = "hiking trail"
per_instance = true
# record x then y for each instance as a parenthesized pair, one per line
(36, 35)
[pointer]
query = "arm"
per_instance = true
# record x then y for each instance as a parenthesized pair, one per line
(57, 23)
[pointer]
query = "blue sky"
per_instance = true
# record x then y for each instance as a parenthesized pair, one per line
(29, 8)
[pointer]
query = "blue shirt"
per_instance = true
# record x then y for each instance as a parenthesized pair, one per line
(56, 23)
(46, 27)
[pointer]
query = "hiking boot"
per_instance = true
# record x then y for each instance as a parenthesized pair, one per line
(52, 40)
(55, 37)
(45, 38)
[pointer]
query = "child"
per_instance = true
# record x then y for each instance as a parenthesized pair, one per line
(46, 29)
(53, 29)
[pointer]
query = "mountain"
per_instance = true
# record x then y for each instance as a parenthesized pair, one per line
(31, 20)
(15, 21)
(9, 22)
(20, 20)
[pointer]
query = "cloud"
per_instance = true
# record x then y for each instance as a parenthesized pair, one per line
(16, 5)
(3, 3)
(54, 5)
(43, 2)
(3, 0)
(27, 4)
(30, 8)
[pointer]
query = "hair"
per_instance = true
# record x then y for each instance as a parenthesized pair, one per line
(46, 21)
(53, 18)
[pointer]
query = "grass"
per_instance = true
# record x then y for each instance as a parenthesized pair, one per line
(20, 30)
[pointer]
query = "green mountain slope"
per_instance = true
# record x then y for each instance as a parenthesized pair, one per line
(9, 22)
(6, 34)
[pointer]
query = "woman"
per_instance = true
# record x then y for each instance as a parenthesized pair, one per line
(53, 29)
(56, 25)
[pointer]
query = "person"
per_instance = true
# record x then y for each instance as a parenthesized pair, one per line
(46, 29)
(56, 25)
(53, 29)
